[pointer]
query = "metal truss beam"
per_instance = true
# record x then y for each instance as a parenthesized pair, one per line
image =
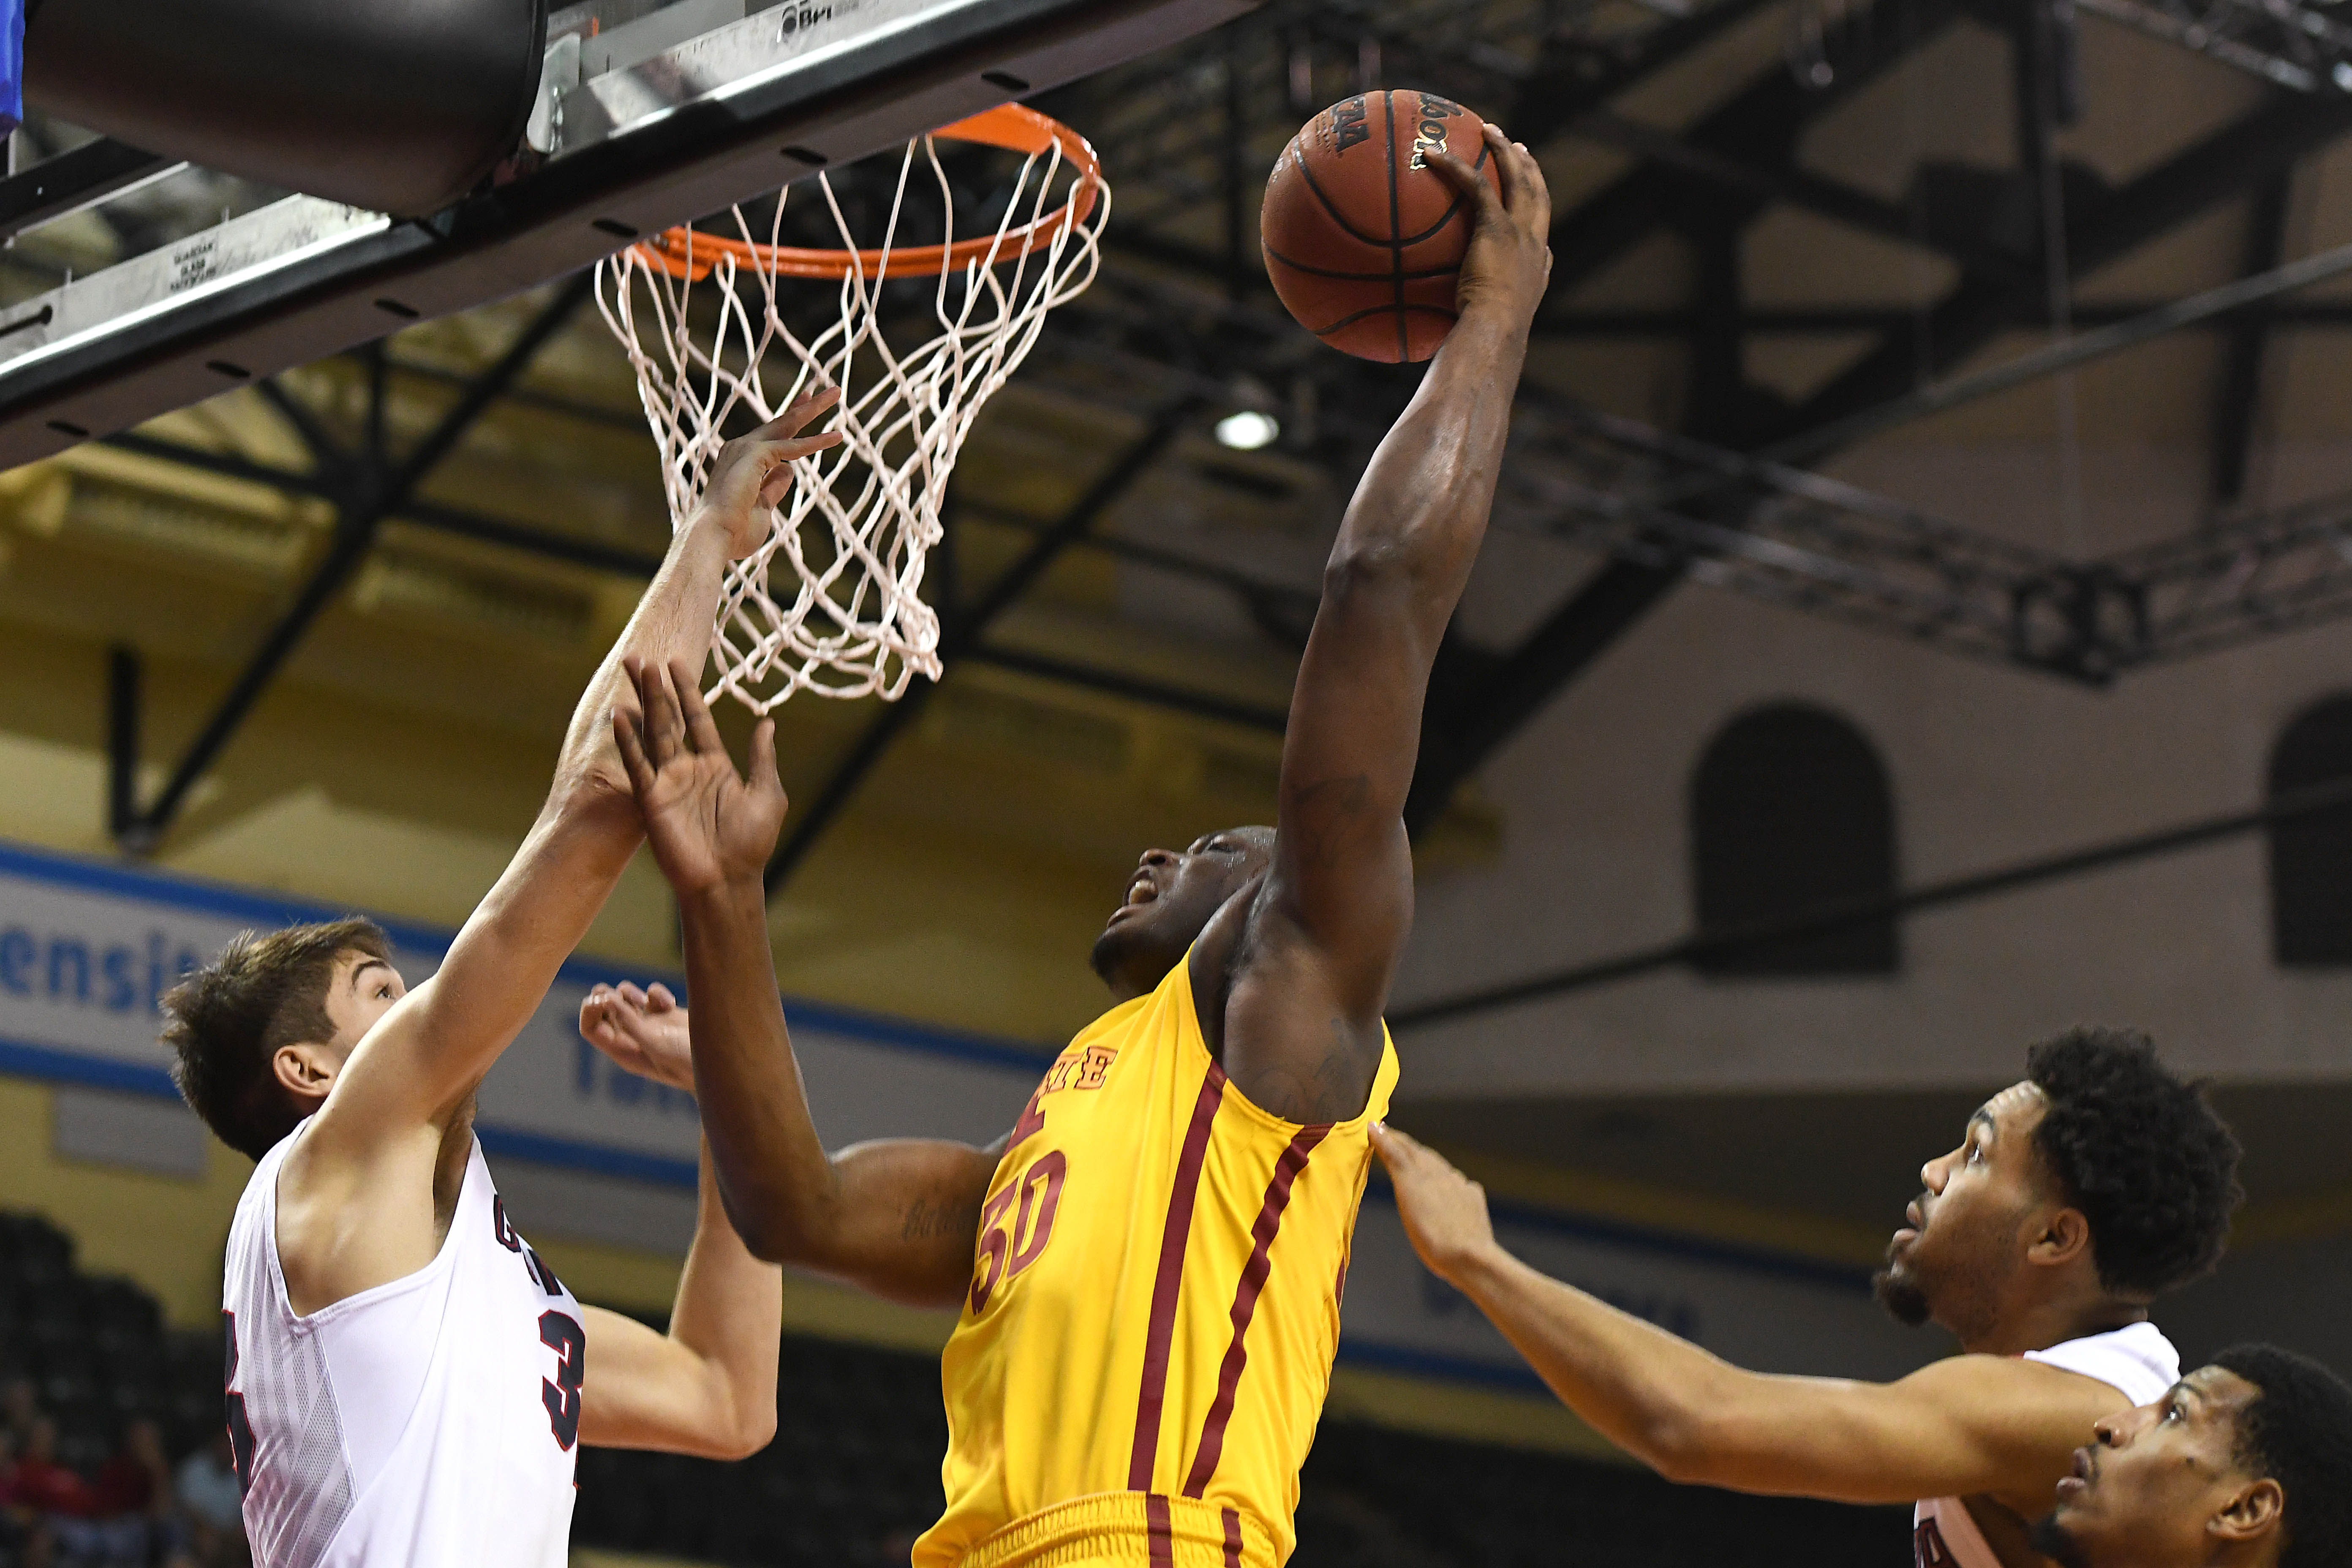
(1573, 79)
(2238, 398)
(2072, 629)
(2262, 144)
(366, 491)
(2296, 47)
(1877, 321)
(962, 634)
(1764, 122)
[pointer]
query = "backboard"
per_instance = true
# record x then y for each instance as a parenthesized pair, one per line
(647, 116)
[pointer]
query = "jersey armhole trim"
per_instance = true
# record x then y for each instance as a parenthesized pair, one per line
(1384, 1076)
(416, 1279)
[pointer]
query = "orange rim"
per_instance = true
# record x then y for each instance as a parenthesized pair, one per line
(689, 253)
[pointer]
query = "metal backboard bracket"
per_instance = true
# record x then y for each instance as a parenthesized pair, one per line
(664, 132)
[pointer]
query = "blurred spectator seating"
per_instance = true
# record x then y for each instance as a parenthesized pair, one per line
(97, 1399)
(112, 1453)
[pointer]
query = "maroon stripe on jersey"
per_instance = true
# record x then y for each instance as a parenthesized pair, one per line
(1232, 1539)
(1156, 1525)
(1165, 1287)
(1246, 1295)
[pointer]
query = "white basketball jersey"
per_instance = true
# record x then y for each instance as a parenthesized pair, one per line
(428, 1423)
(2135, 1361)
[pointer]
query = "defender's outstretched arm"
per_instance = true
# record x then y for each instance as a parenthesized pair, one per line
(708, 1386)
(353, 1210)
(898, 1217)
(424, 1059)
(1958, 1427)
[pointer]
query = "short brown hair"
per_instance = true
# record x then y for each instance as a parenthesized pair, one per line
(228, 1020)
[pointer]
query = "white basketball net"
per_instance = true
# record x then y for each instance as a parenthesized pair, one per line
(861, 518)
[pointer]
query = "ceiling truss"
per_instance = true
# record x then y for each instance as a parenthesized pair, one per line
(1184, 314)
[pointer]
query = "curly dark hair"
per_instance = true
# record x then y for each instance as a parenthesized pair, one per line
(2298, 1432)
(228, 1020)
(2141, 1153)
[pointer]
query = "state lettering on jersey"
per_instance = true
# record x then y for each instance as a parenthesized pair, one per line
(541, 1272)
(1927, 1547)
(503, 1228)
(1075, 1068)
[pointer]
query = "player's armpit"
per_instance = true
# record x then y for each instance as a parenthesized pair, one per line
(1966, 1426)
(645, 1390)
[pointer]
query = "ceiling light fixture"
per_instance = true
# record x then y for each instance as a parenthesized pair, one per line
(1247, 430)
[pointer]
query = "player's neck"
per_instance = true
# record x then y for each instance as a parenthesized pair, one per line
(2036, 1325)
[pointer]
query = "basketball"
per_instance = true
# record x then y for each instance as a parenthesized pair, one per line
(1363, 239)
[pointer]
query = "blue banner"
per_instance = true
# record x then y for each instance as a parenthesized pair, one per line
(87, 946)
(12, 65)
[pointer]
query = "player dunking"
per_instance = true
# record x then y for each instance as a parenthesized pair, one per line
(1149, 1266)
(408, 1380)
(2076, 1197)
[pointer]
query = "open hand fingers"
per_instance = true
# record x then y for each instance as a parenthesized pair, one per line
(765, 780)
(700, 730)
(1468, 181)
(778, 483)
(634, 761)
(1524, 193)
(665, 726)
(798, 412)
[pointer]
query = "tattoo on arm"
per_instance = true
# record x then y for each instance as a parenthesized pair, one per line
(1334, 1091)
(926, 1222)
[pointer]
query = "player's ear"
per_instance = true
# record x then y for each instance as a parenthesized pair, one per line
(306, 1068)
(2256, 1510)
(2066, 1237)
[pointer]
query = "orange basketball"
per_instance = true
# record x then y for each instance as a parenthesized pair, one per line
(1362, 238)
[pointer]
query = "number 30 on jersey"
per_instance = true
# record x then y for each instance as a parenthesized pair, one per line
(1005, 1251)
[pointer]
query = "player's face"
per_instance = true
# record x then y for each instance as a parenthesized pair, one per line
(2148, 1492)
(363, 989)
(1170, 900)
(1965, 1233)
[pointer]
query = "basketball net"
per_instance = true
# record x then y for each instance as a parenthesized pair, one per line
(854, 533)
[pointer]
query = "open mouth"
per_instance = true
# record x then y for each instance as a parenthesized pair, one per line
(1139, 892)
(2085, 1471)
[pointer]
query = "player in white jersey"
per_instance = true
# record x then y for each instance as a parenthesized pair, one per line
(408, 1382)
(2076, 1197)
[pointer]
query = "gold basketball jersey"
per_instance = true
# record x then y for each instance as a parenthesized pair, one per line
(1154, 1308)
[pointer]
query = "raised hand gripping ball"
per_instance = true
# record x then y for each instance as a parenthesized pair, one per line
(1363, 239)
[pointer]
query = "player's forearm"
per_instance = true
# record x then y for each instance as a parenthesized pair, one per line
(772, 1173)
(730, 1313)
(1650, 1393)
(1421, 510)
(672, 620)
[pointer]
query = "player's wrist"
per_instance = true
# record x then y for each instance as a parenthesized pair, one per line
(729, 893)
(1475, 1267)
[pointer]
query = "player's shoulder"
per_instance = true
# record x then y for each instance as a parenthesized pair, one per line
(1995, 1382)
